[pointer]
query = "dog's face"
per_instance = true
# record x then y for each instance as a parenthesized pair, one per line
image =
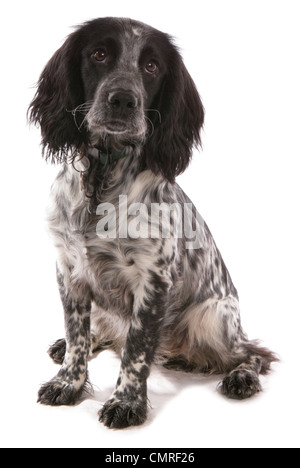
(117, 82)
(123, 68)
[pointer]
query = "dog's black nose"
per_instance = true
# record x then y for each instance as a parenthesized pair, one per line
(122, 101)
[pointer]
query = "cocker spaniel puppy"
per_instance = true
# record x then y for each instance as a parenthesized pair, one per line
(138, 270)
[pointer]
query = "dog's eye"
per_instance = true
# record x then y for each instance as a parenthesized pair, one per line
(151, 67)
(100, 55)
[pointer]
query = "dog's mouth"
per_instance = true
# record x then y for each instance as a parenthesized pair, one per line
(115, 126)
(110, 126)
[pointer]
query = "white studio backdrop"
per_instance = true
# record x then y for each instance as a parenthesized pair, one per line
(244, 59)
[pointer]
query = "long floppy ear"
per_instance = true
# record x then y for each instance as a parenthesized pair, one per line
(169, 149)
(59, 91)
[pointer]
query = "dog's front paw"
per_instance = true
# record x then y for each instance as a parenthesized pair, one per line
(241, 384)
(58, 392)
(119, 414)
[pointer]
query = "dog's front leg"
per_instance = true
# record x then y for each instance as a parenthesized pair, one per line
(67, 386)
(128, 404)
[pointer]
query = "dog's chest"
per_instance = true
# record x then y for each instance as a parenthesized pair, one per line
(111, 267)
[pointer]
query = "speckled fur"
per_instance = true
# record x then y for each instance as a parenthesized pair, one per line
(151, 300)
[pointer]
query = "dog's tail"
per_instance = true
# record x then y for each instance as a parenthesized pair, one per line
(253, 349)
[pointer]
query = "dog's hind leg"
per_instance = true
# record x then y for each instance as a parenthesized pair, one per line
(216, 344)
(246, 361)
(57, 351)
(243, 380)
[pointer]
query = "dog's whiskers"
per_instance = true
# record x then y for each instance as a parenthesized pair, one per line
(152, 126)
(82, 109)
(155, 110)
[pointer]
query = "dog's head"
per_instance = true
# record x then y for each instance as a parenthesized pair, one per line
(115, 83)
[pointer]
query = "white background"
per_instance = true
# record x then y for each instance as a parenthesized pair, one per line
(244, 58)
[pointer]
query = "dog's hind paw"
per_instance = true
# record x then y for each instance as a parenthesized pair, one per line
(240, 384)
(57, 351)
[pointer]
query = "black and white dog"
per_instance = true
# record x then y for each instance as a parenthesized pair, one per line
(118, 109)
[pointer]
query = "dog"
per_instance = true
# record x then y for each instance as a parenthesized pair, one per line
(119, 111)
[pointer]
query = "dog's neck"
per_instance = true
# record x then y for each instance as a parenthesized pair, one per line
(101, 168)
(106, 156)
